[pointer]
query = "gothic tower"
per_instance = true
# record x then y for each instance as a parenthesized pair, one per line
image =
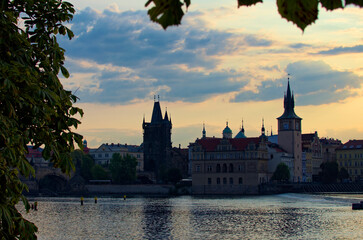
(289, 133)
(157, 142)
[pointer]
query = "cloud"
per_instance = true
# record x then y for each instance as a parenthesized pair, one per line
(342, 50)
(256, 41)
(313, 83)
(299, 45)
(127, 57)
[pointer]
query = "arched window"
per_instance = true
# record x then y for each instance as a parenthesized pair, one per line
(240, 180)
(218, 168)
(224, 180)
(218, 181)
(230, 167)
(231, 181)
(224, 167)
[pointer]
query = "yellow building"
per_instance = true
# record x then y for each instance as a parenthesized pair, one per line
(312, 148)
(350, 156)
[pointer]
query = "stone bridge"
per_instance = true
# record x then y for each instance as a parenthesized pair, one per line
(49, 180)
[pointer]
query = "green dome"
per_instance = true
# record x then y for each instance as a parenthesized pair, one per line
(227, 130)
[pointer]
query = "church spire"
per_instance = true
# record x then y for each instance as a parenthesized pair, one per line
(156, 115)
(243, 129)
(289, 104)
(263, 127)
(166, 115)
(204, 132)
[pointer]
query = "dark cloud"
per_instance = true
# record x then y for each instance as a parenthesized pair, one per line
(313, 82)
(342, 50)
(178, 64)
(299, 45)
(255, 41)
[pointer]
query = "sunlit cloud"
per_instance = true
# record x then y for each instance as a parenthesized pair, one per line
(314, 83)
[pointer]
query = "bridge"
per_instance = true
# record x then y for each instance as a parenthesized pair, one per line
(49, 180)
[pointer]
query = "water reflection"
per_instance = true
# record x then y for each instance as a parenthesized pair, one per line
(157, 214)
(264, 217)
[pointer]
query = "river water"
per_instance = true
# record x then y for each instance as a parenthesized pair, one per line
(285, 216)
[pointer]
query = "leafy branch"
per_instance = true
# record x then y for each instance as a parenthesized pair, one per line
(300, 12)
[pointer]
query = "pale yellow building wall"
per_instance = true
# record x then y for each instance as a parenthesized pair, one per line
(352, 160)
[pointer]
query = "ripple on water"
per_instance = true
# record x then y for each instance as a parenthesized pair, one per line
(287, 216)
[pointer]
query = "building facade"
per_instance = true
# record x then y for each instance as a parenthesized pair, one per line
(350, 156)
(312, 149)
(228, 165)
(103, 154)
(328, 149)
(157, 143)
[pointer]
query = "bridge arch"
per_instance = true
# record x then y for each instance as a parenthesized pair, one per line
(54, 183)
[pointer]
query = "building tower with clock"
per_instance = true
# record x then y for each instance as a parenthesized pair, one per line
(289, 133)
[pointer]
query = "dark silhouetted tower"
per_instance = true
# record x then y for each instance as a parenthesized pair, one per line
(157, 142)
(289, 132)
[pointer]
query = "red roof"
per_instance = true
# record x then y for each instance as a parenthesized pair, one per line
(352, 144)
(239, 144)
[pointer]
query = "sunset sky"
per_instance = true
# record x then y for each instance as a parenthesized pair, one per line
(222, 64)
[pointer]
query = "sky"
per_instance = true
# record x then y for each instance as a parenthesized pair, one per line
(221, 64)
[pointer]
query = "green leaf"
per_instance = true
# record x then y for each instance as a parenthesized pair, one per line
(358, 3)
(166, 12)
(64, 71)
(300, 12)
(248, 2)
(331, 4)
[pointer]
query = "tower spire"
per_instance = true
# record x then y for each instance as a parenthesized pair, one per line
(243, 129)
(263, 127)
(289, 103)
(204, 132)
(166, 115)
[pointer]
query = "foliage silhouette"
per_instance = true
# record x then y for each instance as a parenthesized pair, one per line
(300, 12)
(34, 107)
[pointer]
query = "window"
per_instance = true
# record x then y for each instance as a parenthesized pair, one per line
(197, 168)
(218, 168)
(218, 181)
(230, 167)
(106, 154)
(231, 181)
(209, 181)
(224, 167)
(224, 180)
(240, 168)
(209, 168)
(240, 180)
(100, 155)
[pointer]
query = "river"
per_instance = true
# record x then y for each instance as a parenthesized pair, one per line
(285, 216)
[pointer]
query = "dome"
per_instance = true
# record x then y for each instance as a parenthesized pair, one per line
(227, 130)
(240, 135)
